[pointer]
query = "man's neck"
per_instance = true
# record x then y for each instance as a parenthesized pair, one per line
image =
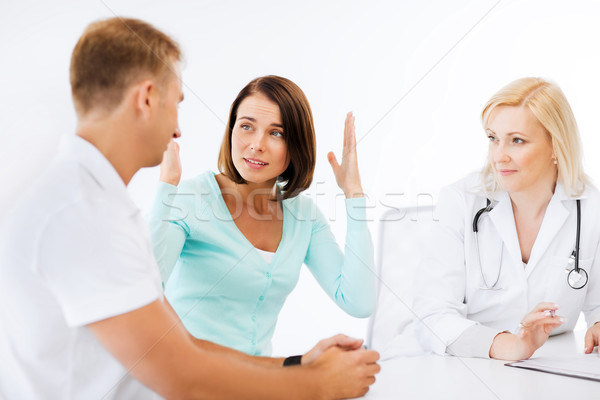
(109, 136)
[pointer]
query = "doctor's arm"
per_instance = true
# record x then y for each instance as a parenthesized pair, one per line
(591, 306)
(535, 329)
(441, 322)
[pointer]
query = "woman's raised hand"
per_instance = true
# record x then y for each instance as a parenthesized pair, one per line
(170, 167)
(536, 326)
(346, 174)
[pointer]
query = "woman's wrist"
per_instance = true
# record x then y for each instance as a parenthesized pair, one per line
(508, 346)
(503, 346)
(170, 180)
(354, 192)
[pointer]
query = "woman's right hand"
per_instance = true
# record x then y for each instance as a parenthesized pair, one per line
(536, 327)
(170, 167)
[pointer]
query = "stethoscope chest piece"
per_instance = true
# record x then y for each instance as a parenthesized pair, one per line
(577, 279)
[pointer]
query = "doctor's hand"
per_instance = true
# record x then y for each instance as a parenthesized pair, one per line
(170, 167)
(592, 338)
(346, 174)
(342, 341)
(536, 326)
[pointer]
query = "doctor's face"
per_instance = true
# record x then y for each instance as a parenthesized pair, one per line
(520, 150)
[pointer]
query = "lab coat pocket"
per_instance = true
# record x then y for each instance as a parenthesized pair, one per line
(558, 290)
(560, 267)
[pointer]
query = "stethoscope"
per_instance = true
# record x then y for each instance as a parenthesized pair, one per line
(577, 277)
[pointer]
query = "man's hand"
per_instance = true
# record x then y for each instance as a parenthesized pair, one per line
(340, 340)
(345, 374)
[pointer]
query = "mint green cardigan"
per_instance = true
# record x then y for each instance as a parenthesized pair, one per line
(221, 287)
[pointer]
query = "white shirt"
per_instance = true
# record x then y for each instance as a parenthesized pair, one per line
(75, 251)
(450, 301)
(266, 255)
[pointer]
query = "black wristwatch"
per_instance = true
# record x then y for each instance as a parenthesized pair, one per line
(292, 360)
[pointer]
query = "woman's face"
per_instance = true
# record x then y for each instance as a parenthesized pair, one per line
(520, 150)
(258, 146)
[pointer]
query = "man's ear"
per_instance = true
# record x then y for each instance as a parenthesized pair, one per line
(146, 98)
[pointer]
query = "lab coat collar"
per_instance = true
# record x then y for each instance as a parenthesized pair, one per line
(503, 219)
(556, 214)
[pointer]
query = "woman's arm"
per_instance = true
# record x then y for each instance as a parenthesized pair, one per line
(168, 230)
(349, 277)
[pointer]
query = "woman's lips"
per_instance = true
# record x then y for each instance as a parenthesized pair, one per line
(255, 163)
(507, 172)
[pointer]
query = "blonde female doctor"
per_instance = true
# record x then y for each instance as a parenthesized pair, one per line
(510, 264)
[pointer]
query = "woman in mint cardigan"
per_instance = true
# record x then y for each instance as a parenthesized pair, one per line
(230, 245)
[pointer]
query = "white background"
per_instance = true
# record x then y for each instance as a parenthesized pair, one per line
(415, 73)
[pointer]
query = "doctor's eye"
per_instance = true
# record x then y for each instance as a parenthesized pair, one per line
(518, 140)
(277, 133)
(245, 127)
(491, 138)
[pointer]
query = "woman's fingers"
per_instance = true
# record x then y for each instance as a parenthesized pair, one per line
(592, 338)
(170, 167)
(543, 317)
(346, 123)
(589, 341)
(349, 135)
(546, 306)
(333, 162)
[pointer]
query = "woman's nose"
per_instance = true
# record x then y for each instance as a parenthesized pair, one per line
(499, 153)
(258, 142)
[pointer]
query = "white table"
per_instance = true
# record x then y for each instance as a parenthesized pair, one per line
(446, 377)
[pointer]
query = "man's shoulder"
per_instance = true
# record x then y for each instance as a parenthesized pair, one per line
(65, 187)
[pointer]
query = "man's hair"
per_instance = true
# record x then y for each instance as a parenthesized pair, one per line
(114, 53)
(298, 128)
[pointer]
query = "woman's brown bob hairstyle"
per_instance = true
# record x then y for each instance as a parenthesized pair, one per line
(298, 128)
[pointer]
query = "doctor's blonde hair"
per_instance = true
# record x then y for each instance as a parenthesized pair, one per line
(551, 108)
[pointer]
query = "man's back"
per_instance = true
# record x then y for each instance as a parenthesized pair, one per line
(75, 251)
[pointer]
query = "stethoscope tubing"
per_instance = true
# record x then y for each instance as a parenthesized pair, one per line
(488, 207)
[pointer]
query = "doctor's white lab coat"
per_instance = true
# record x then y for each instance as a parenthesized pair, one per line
(449, 297)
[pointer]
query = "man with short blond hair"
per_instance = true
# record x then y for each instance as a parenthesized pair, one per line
(81, 304)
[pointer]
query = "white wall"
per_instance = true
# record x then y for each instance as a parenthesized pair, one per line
(416, 74)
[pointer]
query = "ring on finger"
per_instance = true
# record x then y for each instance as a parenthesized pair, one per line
(522, 325)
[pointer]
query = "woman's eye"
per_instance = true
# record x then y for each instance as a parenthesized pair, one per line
(277, 133)
(518, 140)
(491, 138)
(245, 127)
